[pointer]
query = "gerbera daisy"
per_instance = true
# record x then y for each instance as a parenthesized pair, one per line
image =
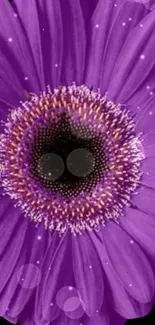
(77, 157)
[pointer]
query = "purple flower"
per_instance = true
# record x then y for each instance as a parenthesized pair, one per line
(77, 157)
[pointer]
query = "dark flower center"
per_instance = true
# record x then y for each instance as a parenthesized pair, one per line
(70, 158)
(50, 166)
(64, 160)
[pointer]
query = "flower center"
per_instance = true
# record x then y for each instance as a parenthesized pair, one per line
(80, 162)
(66, 162)
(50, 167)
(70, 158)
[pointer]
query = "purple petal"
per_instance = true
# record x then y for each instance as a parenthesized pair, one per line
(128, 17)
(142, 102)
(134, 62)
(145, 200)
(57, 273)
(32, 32)
(149, 163)
(44, 34)
(74, 42)
(88, 8)
(33, 252)
(15, 46)
(11, 89)
(117, 296)
(140, 226)
(10, 319)
(149, 4)
(88, 274)
(130, 263)
(98, 32)
(64, 320)
(28, 321)
(149, 143)
(97, 319)
(27, 315)
(10, 263)
(9, 219)
(148, 168)
(116, 319)
(57, 34)
(19, 245)
(145, 119)
(12, 231)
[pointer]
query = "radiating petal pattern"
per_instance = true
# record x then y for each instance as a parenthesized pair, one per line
(133, 268)
(56, 274)
(97, 37)
(120, 299)
(17, 51)
(128, 19)
(98, 271)
(141, 227)
(135, 61)
(88, 275)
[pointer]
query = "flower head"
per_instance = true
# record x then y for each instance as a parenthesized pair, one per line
(77, 154)
(68, 149)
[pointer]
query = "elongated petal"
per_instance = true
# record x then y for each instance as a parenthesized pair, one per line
(7, 222)
(74, 42)
(98, 31)
(148, 177)
(32, 32)
(117, 296)
(33, 252)
(88, 8)
(145, 118)
(27, 315)
(56, 274)
(56, 33)
(44, 34)
(134, 62)
(88, 274)
(141, 227)
(129, 15)
(9, 266)
(10, 319)
(149, 143)
(133, 267)
(11, 89)
(15, 232)
(15, 46)
(64, 320)
(97, 319)
(104, 47)
(144, 200)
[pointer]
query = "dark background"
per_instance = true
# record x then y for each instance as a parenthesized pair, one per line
(148, 320)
